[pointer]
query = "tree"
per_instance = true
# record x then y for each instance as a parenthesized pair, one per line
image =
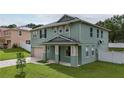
(31, 25)
(12, 26)
(20, 64)
(116, 24)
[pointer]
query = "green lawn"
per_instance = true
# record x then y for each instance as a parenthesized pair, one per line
(6, 54)
(92, 70)
(116, 49)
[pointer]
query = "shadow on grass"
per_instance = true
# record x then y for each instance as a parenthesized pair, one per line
(20, 75)
(42, 61)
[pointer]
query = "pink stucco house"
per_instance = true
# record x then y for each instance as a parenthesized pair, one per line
(18, 36)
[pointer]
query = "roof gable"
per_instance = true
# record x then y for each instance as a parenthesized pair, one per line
(61, 40)
(65, 18)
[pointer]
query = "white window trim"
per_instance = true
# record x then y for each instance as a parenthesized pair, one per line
(91, 32)
(19, 33)
(35, 33)
(102, 34)
(55, 29)
(66, 28)
(43, 32)
(92, 49)
(87, 50)
(60, 28)
(6, 33)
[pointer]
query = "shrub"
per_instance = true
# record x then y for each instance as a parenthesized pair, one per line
(42, 61)
(14, 46)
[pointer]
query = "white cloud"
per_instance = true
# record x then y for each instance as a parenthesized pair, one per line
(93, 18)
(22, 19)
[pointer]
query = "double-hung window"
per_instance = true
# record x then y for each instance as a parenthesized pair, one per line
(101, 34)
(34, 34)
(97, 33)
(91, 32)
(20, 33)
(87, 51)
(40, 33)
(93, 51)
(43, 33)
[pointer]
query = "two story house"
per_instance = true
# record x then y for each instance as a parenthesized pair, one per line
(2, 38)
(69, 40)
(11, 36)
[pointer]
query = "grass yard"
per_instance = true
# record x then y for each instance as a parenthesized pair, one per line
(92, 70)
(6, 54)
(116, 49)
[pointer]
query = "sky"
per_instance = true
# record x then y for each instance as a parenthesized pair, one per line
(23, 19)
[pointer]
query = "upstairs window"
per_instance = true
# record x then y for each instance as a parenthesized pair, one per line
(97, 33)
(91, 32)
(60, 31)
(34, 34)
(101, 34)
(20, 33)
(67, 29)
(55, 30)
(6, 33)
(40, 33)
(43, 33)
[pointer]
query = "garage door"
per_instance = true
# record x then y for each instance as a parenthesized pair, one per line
(38, 52)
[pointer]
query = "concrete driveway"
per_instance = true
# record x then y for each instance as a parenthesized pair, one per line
(12, 62)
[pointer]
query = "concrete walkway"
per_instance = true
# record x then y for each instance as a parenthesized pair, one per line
(12, 62)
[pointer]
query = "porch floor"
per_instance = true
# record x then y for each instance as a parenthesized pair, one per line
(63, 63)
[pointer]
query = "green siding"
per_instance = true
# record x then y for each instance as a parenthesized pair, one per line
(79, 32)
(90, 58)
(86, 39)
(79, 55)
(75, 28)
(51, 52)
(63, 57)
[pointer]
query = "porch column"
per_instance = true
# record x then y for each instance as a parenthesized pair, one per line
(74, 56)
(56, 53)
(44, 52)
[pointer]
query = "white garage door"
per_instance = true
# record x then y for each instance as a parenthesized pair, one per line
(38, 52)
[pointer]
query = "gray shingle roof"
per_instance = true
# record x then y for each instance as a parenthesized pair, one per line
(67, 21)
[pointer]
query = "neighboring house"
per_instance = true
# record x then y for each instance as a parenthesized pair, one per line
(69, 40)
(2, 39)
(11, 36)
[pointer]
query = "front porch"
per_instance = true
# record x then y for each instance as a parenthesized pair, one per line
(63, 54)
(63, 50)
